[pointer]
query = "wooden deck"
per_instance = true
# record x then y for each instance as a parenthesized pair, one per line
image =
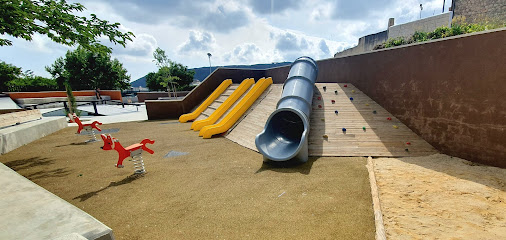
(382, 137)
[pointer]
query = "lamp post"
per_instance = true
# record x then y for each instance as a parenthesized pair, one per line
(421, 8)
(443, 6)
(209, 56)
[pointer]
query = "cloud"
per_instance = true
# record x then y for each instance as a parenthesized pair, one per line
(290, 42)
(203, 14)
(250, 53)
(323, 47)
(359, 9)
(142, 45)
(198, 42)
(273, 6)
(223, 20)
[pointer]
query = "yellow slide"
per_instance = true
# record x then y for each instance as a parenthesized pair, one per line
(197, 125)
(238, 110)
(219, 90)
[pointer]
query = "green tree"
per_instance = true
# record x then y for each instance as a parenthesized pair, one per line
(56, 20)
(170, 75)
(83, 69)
(31, 83)
(8, 72)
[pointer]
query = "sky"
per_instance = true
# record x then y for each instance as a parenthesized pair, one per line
(235, 32)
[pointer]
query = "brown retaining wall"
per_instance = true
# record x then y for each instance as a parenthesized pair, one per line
(164, 109)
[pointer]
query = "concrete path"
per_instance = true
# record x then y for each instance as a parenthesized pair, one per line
(31, 212)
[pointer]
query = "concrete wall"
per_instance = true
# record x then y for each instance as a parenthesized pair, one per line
(449, 91)
(481, 10)
(427, 25)
(365, 44)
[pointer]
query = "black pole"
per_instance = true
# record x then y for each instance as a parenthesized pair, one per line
(443, 6)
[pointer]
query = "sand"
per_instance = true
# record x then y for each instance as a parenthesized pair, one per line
(440, 197)
(218, 190)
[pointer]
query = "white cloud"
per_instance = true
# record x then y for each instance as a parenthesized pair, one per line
(198, 42)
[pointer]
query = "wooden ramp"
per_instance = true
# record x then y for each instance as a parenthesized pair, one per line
(381, 137)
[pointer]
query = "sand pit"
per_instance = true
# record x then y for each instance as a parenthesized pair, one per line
(440, 197)
(218, 190)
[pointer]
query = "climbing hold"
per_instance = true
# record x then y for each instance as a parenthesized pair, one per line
(407, 150)
(345, 85)
(319, 106)
(367, 104)
(389, 118)
(324, 88)
(408, 143)
(336, 111)
(395, 126)
(374, 112)
(344, 129)
(325, 136)
(319, 98)
(351, 99)
(333, 101)
(323, 119)
(353, 91)
(363, 128)
(335, 92)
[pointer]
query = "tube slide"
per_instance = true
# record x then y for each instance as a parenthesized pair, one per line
(217, 92)
(243, 87)
(286, 131)
(234, 115)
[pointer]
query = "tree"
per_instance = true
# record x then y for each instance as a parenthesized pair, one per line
(8, 72)
(55, 19)
(170, 75)
(31, 83)
(83, 69)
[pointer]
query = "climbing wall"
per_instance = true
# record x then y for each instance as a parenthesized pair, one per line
(360, 127)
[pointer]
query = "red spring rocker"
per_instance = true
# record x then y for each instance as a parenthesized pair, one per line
(134, 151)
(89, 128)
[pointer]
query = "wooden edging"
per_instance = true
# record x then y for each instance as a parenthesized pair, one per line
(378, 216)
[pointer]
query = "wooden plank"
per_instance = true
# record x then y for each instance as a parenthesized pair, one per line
(380, 138)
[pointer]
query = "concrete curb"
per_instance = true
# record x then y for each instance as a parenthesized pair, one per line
(19, 135)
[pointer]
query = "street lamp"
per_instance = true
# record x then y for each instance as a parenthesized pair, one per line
(421, 8)
(209, 56)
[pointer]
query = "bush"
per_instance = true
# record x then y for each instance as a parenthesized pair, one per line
(31, 83)
(459, 26)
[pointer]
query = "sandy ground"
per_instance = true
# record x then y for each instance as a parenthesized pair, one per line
(218, 190)
(440, 197)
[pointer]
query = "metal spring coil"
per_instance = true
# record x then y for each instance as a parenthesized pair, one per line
(138, 164)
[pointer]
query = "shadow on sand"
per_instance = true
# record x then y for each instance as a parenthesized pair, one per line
(288, 166)
(129, 179)
(25, 164)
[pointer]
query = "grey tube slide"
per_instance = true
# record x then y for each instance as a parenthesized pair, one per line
(285, 135)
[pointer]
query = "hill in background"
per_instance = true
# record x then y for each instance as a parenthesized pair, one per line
(202, 72)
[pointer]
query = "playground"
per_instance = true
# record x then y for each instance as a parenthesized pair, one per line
(252, 154)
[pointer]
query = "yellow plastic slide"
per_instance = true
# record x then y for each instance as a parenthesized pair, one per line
(217, 92)
(238, 110)
(197, 125)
